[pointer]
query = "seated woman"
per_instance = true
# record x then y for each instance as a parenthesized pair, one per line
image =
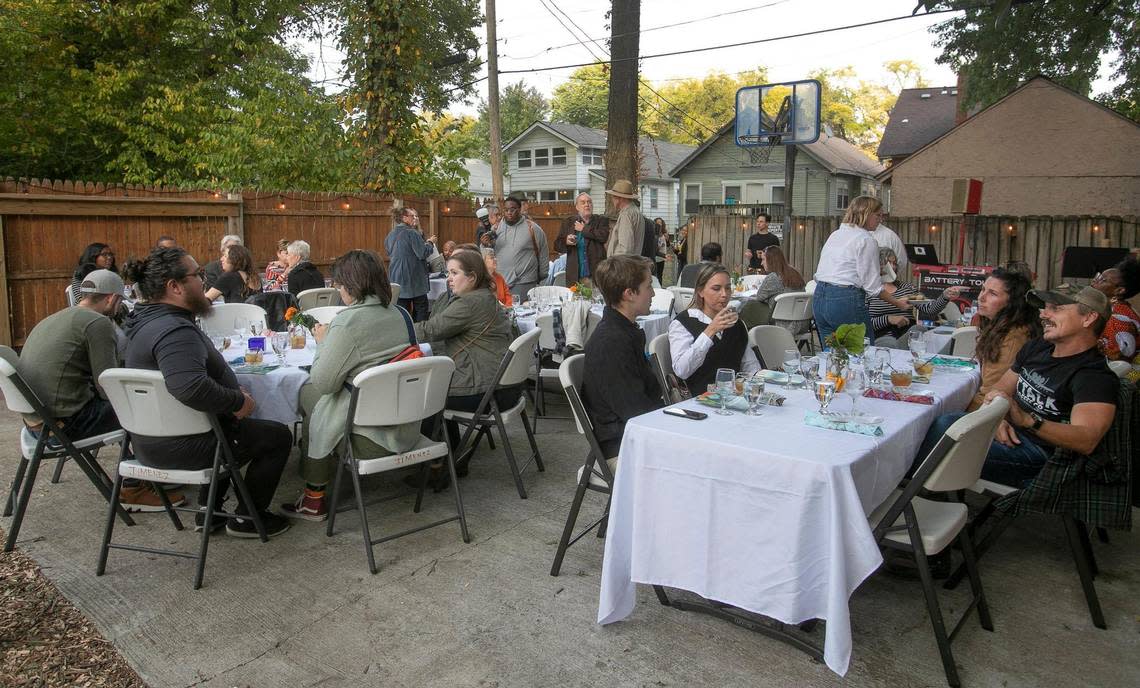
(238, 281)
(502, 291)
(779, 278)
(368, 333)
(96, 256)
(278, 270)
(472, 329)
(1007, 321)
(709, 335)
(892, 324)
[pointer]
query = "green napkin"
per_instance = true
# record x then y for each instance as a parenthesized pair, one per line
(734, 402)
(814, 419)
(949, 362)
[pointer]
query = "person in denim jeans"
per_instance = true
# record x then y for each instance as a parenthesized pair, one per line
(848, 271)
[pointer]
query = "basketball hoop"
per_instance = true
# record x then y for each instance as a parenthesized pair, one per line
(759, 155)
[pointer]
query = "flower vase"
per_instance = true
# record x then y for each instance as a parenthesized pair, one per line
(297, 337)
(836, 362)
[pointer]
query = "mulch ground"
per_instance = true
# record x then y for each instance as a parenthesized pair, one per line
(45, 640)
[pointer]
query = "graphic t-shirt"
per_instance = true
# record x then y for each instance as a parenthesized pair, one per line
(1051, 386)
(757, 243)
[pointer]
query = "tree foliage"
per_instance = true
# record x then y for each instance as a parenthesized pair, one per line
(583, 99)
(519, 107)
(1066, 40)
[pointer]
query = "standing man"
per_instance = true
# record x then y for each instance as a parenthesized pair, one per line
(520, 247)
(162, 337)
(583, 239)
(166, 241)
(214, 267)
(628, 232)
(885, 237)
(759, 241)
(407, 254)
(482, 224)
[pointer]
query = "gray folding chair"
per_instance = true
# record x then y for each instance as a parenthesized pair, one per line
(145, 407)
(770, 342)
(662, 359)
(315, 298)
(596, 474)
(544, 352)
(922, 526)
(513, 372)
(964, 342)
(395, 394)
(795, 307)
(52, 444)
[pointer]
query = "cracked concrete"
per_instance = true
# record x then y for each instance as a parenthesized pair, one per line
(302, 610)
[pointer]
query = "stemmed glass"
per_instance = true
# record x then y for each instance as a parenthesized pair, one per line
(280, 343)
(853, 385)
(824, 391)
(241, 328)
(725, 387)
(791, 363)
(753, 391)
(809, 368)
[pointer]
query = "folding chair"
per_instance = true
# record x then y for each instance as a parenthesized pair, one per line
(770, 342)
(662, 359)
(751, 281)
(325, 314)
(662, 301)
(550, 292)
(394, 394)
(52, 443)
(513, 372)
(559, 279)
(596, 474)
(682, 297)
(223, 317)
(964, 341)
(920, 526)
(315, 298)
(395, 291)
(145, 407)
(545, 351)
(795, 307)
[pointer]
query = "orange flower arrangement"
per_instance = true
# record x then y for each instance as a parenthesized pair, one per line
(295, 316)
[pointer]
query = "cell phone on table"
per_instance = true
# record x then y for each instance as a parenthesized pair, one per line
(686, 413)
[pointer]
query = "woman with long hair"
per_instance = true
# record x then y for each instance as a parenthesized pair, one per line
(662, 246)
(96, 256)
(238, 280)
(1007, 322)
(779, 278)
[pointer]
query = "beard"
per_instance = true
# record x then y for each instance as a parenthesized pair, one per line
(198, 304)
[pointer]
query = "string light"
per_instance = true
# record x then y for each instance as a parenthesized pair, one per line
(281, 206)
(934, 228)
(447, 209)
(1096, 228)
(347, 206)
(800, 227)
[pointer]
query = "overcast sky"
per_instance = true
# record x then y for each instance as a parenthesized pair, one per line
(529, 36)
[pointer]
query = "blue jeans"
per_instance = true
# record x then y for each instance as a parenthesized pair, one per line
(833, 305)
(1013, 466)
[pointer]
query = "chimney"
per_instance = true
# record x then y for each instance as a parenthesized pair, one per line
(960, 113)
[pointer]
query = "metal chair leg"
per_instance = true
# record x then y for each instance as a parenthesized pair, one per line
(458, 496)
(1086, 544)
(108, 527)
(10, 504)
(932, 607)
(334, 497)
(363, 521)
(207, 526)
(572, 518)
(423, 484)
(533, 444)
(1084, 570)
(22, 502)
(167, 505)
(975, 580)
(58, 469)
(509, 451)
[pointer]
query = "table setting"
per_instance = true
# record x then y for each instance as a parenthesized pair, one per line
(272, 366)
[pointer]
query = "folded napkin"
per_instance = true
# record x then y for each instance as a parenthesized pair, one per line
(894, 396)
(815, 419)
(949, 362)
(734, 402)
(256, 369)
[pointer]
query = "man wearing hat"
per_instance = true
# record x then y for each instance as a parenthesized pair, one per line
(62, 359)
(628, 231)
(1062, 394)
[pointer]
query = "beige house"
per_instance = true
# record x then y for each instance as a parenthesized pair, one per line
(1040, 150)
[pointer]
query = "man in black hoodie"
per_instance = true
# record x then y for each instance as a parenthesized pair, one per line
(162, 336)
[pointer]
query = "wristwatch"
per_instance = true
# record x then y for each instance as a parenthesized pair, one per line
(1037, 421)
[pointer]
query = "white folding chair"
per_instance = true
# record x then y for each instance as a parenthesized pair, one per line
(315, 298)
(770, 342)
(795, 307)
(395, 394)
(951, 313)
(751, 281)
(144, 406)
(550, 293)
(224, 318)
(662, 301)
(922, 526)
(597, 473)
(964, 342)
(662, 359)
(70, 296)
(559, 279)
(52, 444)
(682, 297)
(513, 372)
(546, 352)
(810, 287)
(325, 314)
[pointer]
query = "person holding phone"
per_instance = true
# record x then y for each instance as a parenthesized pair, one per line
(583, 239)
(709, 334)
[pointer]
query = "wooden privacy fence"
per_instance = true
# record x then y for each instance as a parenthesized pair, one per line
(1038, 241)
(45, 225)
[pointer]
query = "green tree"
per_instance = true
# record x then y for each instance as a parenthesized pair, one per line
(690, 111)
(583, 99)
(905, 74)
(519, 107)
(1066, 40)
(856, 111)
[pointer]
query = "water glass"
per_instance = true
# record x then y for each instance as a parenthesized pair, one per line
(824, 391)
(754, 392)
(791, 363)
(809, 368)
(917, 345)
(280, 343)
(853, 384)
(725, 387)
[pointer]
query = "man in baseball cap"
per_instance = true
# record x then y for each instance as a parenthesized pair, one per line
(1092, 299)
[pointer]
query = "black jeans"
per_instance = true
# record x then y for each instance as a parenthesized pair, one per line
(262, 444)
(417, 306)
(506, 399)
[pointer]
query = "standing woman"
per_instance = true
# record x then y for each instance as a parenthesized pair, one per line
(848, 271)
(238, 280)
(662, 247)
(96, 256)
(680, 248)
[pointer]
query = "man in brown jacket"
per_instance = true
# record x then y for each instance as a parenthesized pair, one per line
(583, 239)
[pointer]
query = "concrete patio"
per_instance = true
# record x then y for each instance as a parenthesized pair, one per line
(303, 610)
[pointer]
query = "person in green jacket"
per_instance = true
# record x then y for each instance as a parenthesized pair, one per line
(368, 333)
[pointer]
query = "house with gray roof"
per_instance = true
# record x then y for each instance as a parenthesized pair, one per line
(554, 161)
(720, 174)
(919, 116)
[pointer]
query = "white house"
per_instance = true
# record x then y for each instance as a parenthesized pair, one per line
(554, 161)
(479, 179)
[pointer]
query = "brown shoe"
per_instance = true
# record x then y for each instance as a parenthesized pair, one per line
(143, 498)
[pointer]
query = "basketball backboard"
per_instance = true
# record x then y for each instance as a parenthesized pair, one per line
(772, 114)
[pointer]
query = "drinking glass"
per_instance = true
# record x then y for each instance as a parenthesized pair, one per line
(280, 343)
(753, 392)
(824, 391)
(809, 368)
(791, 363)
(917, 345)
(725, 387)
(740, 381)
(873, 367)
(853, 385)
(220, 342)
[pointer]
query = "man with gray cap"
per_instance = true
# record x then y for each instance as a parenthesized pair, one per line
(1062, 394)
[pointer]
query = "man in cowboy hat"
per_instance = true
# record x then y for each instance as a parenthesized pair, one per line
(625, 239)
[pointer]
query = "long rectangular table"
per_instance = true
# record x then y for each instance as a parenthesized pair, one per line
(763, 513)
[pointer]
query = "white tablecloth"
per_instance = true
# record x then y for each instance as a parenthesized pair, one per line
(277, 392)
(437, 287)
(764, 513)
(653, 324)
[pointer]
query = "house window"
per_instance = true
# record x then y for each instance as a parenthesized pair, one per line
(778, 194)
(732, 193)
(842, 195)
(541, 157)
(692, 198)
(565, 194)
(592, 156)
(524, 158)
(557, 156)
(653, 198)
(547, 196)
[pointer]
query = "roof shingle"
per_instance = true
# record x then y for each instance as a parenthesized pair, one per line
(919, 116)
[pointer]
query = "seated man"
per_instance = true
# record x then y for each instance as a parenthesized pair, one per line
(62, 360)
(617, 383)
(162, 336)
(710, 253)
(1062, 394)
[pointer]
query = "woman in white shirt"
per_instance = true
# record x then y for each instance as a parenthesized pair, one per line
(848, 271)
(709, 335)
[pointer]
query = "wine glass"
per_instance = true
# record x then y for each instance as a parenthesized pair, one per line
(241, 327)
(824, 391)
(220, 342)
(809, 368)
(791, 363)
(280, 343)
(725, 386)
(853, 385)
(753, 392)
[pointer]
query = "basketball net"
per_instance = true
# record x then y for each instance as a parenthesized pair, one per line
(759, 155)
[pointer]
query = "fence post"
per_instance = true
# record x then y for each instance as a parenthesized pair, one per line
(433, 222)
(5, 319)
(235, 224)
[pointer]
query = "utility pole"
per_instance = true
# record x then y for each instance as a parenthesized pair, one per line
(493, 104)
(622, 155)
